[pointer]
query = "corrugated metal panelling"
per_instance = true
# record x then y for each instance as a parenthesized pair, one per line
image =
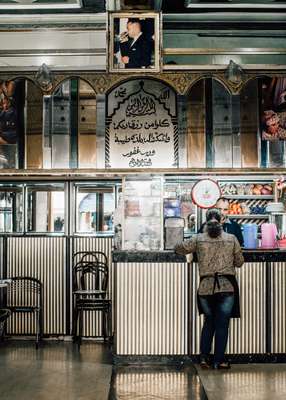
(247, 334)
(1, 258)
(151, 308)
(43, 258)
(92, 321)
(278, 312)
(2, 274)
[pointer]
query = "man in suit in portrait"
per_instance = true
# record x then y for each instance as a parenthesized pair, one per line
(135, 47)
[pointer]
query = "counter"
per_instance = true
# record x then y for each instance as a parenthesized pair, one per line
(156, 315)
(255, 255)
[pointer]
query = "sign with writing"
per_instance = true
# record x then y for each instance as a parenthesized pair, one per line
(141, 130)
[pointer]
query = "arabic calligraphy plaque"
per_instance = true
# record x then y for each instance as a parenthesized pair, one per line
(141, 126)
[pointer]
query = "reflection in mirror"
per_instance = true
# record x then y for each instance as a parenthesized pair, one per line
(95, 209)
(249, 125)
(225, 121)
(57, 125)
(272, 120)
(70, 126)
(196, 142)
(11, 208)
(12, 103)
(86, 126)
(213, 126)
(34, 125)
(46, 208)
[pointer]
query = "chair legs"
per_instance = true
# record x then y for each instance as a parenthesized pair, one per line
(80, 328)
(77, 328)
(106, 324)
(38, 327)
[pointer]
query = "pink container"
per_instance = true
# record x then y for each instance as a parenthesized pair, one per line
(268, 233)
(281, 243)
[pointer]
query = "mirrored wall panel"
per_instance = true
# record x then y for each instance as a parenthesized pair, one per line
(70, 126)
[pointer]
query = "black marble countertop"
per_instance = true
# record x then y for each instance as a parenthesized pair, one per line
(255, 255)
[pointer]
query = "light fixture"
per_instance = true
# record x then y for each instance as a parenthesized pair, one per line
(234, 73)
(44, 77)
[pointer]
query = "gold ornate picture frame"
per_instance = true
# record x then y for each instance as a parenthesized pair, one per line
(134, 42)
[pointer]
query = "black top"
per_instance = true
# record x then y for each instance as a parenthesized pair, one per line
(139, 53)
(231, 227)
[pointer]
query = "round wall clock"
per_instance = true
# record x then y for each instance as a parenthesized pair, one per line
(205, 193)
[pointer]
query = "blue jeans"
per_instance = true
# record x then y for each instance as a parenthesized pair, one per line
(217, 310)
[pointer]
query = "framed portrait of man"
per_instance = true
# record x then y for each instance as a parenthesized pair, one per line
(134, 42)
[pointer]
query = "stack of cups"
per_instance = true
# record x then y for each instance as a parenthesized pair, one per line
(268, 235)
(250, 236)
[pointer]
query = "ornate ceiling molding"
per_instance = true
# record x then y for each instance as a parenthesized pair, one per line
(181, 82)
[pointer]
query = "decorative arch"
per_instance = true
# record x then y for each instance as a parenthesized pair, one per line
(59, 80)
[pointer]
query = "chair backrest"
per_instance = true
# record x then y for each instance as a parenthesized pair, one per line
(4, 314)
(89, 275)
(93, 256)
(24, 291)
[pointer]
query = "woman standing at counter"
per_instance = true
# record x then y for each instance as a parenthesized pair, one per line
(218, 253)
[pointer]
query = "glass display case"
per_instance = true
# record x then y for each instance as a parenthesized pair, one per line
(178, 203)
(142, 225)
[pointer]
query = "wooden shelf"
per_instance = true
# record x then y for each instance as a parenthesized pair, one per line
(249, 216)
(248, 197)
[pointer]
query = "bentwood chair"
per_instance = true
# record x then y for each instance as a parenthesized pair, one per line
(90, 282)
(93, 256)
(4, 315)
(24, 295)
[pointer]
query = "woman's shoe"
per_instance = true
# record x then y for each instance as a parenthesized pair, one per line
(205, 363)
(222, 365)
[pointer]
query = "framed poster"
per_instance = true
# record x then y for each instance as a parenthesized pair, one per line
(9, 123)
(273, 107)
(134, 42)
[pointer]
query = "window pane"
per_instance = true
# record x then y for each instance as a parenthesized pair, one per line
(11, 209)
(95, 209)
(46, 209)
(108, 210)
(86, 211)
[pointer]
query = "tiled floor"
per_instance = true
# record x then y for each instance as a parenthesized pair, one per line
(246, 382)
(58, 371)
(54, 371)
(156, 383)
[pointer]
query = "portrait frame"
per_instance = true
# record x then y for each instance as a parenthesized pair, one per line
(124, 48)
